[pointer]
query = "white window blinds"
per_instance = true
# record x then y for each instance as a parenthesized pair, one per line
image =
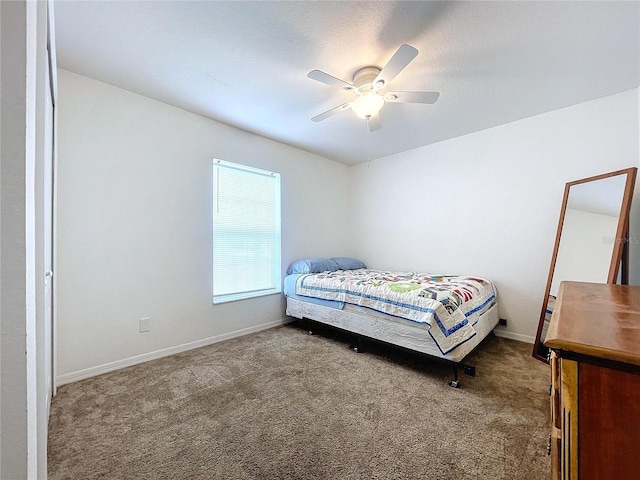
(246, 232)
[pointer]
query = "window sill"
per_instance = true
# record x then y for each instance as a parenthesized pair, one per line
(233, 297)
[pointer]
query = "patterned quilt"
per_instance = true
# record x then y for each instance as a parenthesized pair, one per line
(448, 305)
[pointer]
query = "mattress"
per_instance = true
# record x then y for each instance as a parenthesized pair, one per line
(392, 329)
(290, 292)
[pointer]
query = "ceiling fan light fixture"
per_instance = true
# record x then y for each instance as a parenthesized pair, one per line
(367, 105)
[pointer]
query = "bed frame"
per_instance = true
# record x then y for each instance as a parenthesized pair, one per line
(396, 331)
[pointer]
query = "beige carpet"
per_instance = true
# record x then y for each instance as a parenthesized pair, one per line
(281, 404)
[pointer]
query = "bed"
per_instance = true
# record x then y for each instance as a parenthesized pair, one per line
(443, 316)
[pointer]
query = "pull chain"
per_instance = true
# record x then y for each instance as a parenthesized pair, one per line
(368, 143)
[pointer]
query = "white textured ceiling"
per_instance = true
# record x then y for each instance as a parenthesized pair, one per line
(246, 63)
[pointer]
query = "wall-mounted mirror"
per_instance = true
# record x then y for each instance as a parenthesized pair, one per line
(591, 243)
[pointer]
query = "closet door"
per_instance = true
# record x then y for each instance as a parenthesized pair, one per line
(47, 244)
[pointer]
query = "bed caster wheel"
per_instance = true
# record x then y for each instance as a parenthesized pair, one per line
(354, 348)
(310, 332)
(454, 383)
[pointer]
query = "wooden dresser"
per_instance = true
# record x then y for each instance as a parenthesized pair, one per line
(594, 337)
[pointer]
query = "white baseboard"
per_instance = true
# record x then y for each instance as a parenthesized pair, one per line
(145, 357)
(514, 336)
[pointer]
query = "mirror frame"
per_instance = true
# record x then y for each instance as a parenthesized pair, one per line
(620, 247)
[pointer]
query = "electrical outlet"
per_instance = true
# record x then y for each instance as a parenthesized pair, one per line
(503, 322)
(145, 324)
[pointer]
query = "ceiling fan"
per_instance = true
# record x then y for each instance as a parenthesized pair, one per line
(368, 83)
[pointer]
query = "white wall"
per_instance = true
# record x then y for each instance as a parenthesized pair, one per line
(134, 225)
(13, 293)
(488, 203)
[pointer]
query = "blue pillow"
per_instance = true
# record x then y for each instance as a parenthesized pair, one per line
(312, 265)
(348, 263)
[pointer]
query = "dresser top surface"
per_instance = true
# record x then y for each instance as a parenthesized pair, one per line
(598, 320)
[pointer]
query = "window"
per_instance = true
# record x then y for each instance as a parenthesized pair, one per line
(246, 232)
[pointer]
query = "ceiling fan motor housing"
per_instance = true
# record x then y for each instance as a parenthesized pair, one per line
(363, 78)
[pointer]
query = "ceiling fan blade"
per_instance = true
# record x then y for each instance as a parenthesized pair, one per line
(329, 79)
(374, 123)
(395, 65)
(412, 97)
(333, 111)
